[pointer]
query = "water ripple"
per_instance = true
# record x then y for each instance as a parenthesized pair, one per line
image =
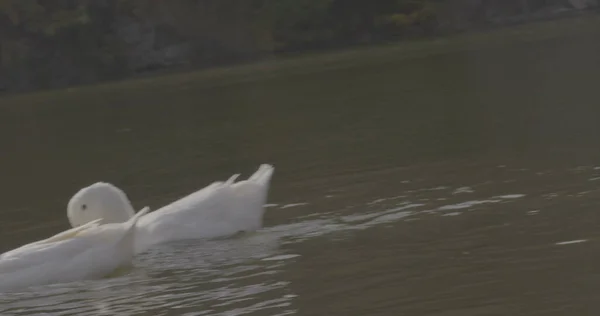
(243, 275)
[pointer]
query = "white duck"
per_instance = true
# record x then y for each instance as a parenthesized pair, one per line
(87, 252)
(220, 209)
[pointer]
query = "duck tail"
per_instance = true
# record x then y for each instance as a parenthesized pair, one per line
(127, 242)
(70, 233)
(232, 179)
(263, 175)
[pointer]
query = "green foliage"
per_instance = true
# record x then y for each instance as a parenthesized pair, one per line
(54, 43)
(306, 23)
(41, 38)
(42, 17)
(290, 13)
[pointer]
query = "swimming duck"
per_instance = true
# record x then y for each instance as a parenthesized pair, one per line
(88, 251)
(218, 210)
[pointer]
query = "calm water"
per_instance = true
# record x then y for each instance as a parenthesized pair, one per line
(457, 184)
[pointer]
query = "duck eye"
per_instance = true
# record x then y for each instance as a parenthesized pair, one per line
(83, 207)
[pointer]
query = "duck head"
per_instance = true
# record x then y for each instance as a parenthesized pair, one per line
(100, 200)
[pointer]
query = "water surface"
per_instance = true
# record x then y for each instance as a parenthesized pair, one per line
(464, 183)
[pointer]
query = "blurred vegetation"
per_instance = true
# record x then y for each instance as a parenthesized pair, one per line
(63, 42)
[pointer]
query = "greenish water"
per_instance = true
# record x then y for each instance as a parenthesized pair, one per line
(426, 186)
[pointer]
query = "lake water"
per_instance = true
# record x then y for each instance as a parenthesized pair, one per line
(465, 183)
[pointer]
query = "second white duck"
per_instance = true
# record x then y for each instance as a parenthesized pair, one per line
(87, 252)
(220, 209)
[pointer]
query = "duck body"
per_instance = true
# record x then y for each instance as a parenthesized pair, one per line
(218, 210)
(90, 251)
